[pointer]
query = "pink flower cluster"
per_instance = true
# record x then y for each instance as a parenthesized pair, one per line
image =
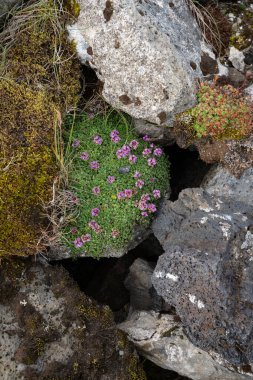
(115, 136)
(95, 226)
(94, 165)
(95, 211)
(98, 140)
(115, 234)
(111, 179)
(123, 152)
(79, 241)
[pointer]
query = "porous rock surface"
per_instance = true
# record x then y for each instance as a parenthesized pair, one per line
(146, 53)
(161, 339)
(50, 330)
(206, 270)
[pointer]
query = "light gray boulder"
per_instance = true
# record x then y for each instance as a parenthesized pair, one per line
(146, 53)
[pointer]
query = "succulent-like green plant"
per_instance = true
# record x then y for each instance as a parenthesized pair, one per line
(221, 113)
(115, 182)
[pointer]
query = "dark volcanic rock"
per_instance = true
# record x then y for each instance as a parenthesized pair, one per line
(206, 272)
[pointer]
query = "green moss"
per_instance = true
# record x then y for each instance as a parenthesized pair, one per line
(135, 370)
(27, 165)
(41, 56)
(39, 81)
(72, 6)
(117, 214)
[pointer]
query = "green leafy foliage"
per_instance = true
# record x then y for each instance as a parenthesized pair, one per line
(104, 203)
(221, 113)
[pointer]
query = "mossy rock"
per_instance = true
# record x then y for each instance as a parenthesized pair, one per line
(27, 165)
(51, 330)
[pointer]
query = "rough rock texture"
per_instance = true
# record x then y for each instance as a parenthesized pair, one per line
(159, 134)
(138, 282)
(236, 57)
(161, 339)
(206, 271)
(147, 54)
(50, 330)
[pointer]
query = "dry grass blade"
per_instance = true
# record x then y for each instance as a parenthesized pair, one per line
(207, 24)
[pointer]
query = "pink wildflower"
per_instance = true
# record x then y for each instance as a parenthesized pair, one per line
(134, 144)
(146, 152)
(145, 197)
(96, 190)
(151, 161)
(110, 179)
(78, 242)
(86, 238)
(95, 211)
(146, 138)
(158, 152)
(73, 230)
(144, 213)
(95, 226)
(115, 136)
(137, 174)
(152, 179)
(121, 195)
(114, 133)
(98, 140)
(125, 150)
(115, 139)
(84, 156)
(132, 159)
(139, 183)
(94, 165)
(151, 207)
(142, 205)
(157, 194)
(76, 143)
(128, 193)
(114, 234)
(119, 153)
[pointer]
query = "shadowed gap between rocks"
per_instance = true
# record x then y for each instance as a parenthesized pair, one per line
(186, 170)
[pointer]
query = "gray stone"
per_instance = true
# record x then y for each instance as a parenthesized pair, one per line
(158, 134)
(219, 182)
(161, 339)
(147, 54)
(206, 271)
(236, 57)
(51, 330)
(138, 282)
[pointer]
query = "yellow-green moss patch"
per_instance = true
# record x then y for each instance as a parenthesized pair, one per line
(27, 165)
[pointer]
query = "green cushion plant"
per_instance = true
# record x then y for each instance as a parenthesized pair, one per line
(115, 181)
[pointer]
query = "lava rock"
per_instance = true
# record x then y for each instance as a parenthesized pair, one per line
(161, 339)
(206, 271)
(147, 54)
(51, 330)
